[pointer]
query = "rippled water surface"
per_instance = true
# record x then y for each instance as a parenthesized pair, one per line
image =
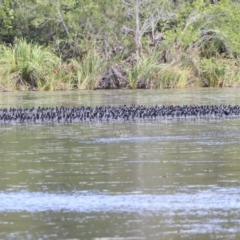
(121, 180)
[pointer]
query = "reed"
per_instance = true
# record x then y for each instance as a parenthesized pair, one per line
(26, 65)
(173, 76)
(29, 66)
(230, 72)
(85, 73)
(144, 71)
(150, 72)
(218, 72)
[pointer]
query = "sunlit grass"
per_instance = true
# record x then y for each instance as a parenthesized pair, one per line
(149, 72)
(27, 66)
(144, 72)
(172, 76)
(87, 71)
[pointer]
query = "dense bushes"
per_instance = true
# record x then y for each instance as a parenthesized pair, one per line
(66, 44)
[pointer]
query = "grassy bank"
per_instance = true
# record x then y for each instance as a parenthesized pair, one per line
(28, 66)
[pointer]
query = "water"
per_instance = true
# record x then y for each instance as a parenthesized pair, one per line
(171, 179)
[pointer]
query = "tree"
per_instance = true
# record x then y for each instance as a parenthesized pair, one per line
(6, 21)
(145, 15)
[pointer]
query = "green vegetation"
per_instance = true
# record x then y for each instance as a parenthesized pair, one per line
(79, 44)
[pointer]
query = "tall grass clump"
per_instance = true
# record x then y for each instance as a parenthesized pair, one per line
(143, 72)
(180, 70)
(150, 72)
(86, 72)
(218, 72)
(30, 66)
(27, 66)
(173, 76)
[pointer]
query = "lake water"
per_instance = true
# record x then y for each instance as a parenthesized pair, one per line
(165, 179)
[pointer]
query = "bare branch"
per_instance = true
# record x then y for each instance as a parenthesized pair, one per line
(191, 20)
(126, 3)
(147, 14)
(61, 19)
(126, 30)
(197, 17)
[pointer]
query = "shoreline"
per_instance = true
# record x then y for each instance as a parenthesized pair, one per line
(31, 67)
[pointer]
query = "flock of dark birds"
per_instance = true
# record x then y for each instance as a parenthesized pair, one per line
(115, 113)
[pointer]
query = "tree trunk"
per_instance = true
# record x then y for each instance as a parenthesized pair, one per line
(137, 31)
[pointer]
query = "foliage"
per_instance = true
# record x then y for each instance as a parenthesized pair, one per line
(144, 71)
(27, 63)
(6, 20)
(86, 72)
(176, 42)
